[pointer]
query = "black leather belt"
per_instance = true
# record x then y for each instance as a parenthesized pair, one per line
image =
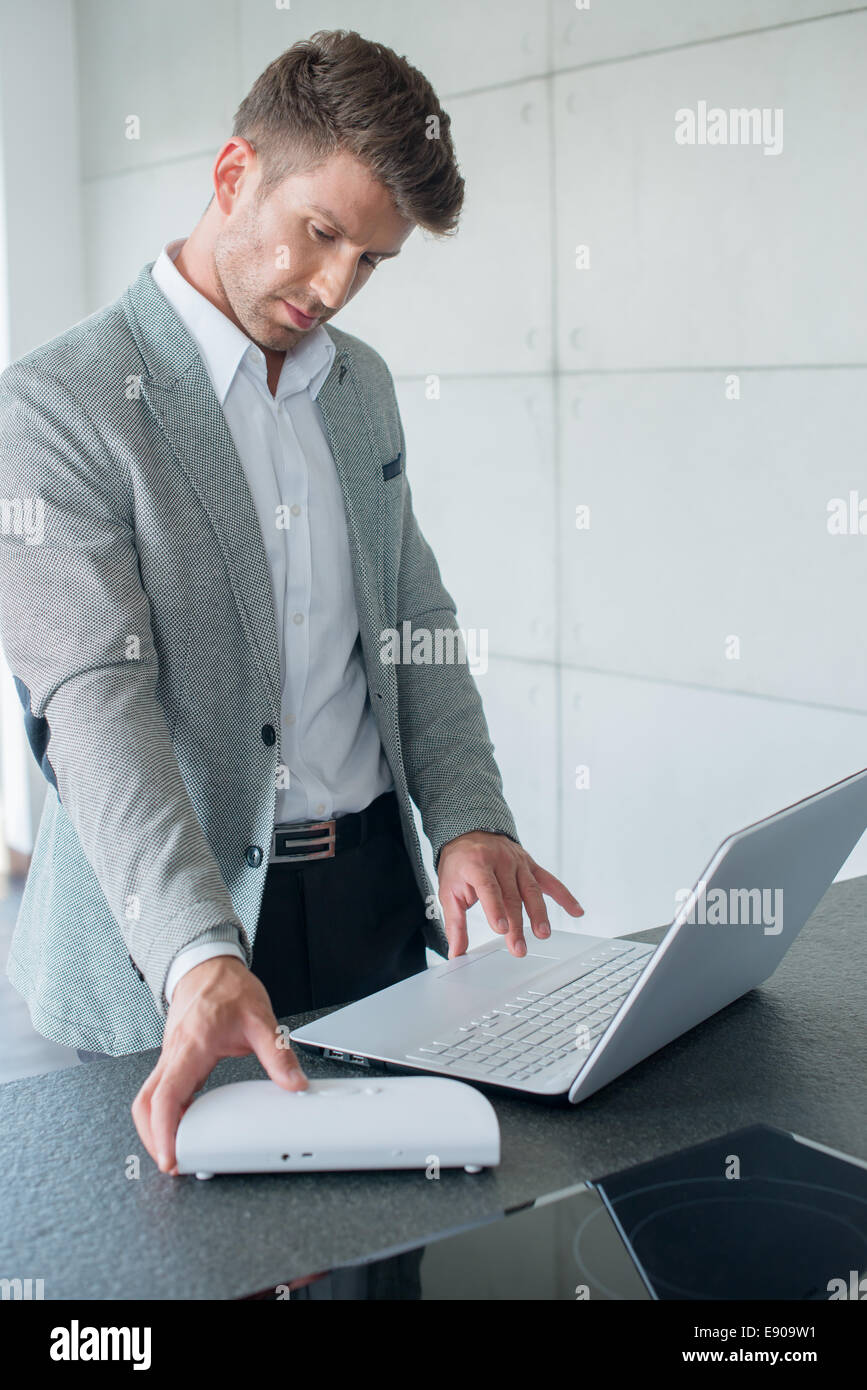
(295, 842)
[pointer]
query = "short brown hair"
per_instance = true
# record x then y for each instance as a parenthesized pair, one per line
(337, 90)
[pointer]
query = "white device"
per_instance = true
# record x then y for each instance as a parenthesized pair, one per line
(338, 1125)
(579, 1010)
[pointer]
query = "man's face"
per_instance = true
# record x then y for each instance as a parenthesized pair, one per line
(312, 243)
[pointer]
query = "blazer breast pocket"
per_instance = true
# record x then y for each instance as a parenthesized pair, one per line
(391, 470)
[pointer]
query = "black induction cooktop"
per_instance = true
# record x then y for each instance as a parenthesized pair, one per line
(756, 1214)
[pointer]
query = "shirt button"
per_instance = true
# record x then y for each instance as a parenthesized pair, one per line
(269, 734)
(320, 808)
(297, 617)
(295, 509)
(253, 856)
(290, 719)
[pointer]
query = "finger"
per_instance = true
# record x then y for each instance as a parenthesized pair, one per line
(141, 1109)
(487, 889)
(455, 924)
(515, 913)
(534, 903)
(184, 1073)
(184, 1108)
(279, 1061)
(556, 890)
(502, 907)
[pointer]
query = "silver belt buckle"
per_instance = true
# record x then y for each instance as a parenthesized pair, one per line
(329, 839)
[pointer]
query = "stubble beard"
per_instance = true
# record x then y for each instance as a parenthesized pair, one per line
(236, 255)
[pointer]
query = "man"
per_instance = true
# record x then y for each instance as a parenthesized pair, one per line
(221, 531)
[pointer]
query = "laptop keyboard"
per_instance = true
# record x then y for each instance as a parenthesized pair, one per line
(541, 1034)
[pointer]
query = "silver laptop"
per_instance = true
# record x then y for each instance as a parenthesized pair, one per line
(578, 1010)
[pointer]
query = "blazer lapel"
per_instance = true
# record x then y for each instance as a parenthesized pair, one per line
(359, 468)
(190, 415)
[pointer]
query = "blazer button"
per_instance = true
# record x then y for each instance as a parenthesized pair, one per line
(253, 856)
(269, 734)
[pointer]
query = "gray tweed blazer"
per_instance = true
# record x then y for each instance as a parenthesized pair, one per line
(137, 618)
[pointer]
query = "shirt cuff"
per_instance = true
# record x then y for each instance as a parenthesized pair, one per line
(194, 955)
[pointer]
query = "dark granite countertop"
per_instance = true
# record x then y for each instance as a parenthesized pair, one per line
(790, 1053)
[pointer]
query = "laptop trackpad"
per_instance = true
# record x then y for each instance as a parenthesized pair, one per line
(499, 969)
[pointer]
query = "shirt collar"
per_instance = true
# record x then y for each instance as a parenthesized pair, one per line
(223, 346)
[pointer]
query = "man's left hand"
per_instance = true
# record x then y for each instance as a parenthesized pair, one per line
(493, 870)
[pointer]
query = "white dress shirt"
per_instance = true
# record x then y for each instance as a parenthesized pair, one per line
(330, 744)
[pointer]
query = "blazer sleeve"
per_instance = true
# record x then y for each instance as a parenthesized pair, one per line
(446, 746)
(76, 630)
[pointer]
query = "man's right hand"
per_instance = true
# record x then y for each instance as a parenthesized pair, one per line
(218, 1009)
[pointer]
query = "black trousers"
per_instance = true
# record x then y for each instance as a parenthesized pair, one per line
(334, 930)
